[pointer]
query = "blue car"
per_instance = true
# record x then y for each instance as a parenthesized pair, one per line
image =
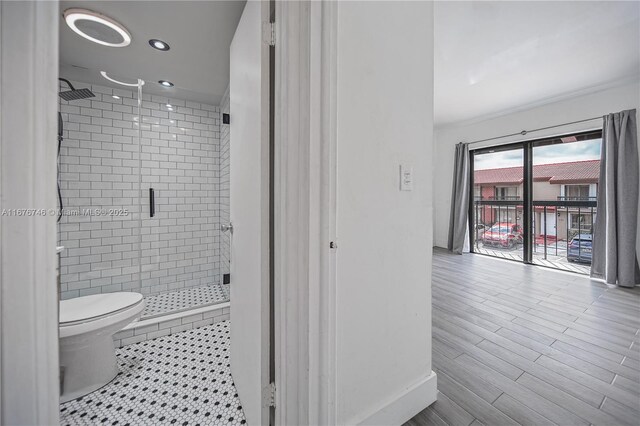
(580, 248)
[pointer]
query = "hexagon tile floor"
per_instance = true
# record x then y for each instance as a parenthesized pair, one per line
(186, 298)
(182, 379)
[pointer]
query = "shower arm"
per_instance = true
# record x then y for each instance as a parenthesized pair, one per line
(68, 83)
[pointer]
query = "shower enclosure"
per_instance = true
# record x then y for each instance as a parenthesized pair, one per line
(139, 177)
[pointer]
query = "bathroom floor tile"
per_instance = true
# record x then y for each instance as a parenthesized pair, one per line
(184, 299)
(182, 379)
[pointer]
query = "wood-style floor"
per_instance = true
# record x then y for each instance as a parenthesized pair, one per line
(516, 344)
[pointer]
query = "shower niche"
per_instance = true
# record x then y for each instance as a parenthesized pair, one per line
(139, 179)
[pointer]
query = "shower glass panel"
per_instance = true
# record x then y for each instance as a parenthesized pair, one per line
(140, 187)
(180, 266)
(99, 174)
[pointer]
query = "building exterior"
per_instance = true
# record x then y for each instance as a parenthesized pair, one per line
(568, 181)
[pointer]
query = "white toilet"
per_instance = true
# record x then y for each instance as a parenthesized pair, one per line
(87, 326)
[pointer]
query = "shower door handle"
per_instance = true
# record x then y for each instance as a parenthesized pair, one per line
(225, 228)
(152, 203)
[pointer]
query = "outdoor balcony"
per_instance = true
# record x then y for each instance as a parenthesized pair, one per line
(561, 234)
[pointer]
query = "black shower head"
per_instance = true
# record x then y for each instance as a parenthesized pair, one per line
(75, 94)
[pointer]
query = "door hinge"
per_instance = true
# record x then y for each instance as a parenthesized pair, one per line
(270, 395)
(269, 33)
(333, 245)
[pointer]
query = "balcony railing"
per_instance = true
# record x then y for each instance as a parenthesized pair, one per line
(506, 198)
(552, 230)
(576, 198)
(498, 198)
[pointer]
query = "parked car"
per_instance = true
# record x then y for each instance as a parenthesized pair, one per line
(503, 234)
(580, 248)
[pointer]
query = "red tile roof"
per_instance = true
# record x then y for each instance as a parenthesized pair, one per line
(558, 173)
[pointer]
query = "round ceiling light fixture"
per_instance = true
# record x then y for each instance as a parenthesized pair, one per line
(159, 44)
(122, 83)
(165, 83)
(97, 28)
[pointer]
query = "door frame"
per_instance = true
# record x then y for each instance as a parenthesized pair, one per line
(304, 208)
(305, 212)
(29, 379)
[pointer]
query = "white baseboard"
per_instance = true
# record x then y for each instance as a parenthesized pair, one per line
(405, 405)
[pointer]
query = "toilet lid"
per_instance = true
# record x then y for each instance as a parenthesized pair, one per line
(84, 308)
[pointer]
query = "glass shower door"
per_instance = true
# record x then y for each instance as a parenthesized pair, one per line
(180, 209)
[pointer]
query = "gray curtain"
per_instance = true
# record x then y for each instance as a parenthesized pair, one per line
(459, 199)
(614, 238)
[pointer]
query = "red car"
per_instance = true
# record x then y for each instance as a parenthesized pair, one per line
(503, 234)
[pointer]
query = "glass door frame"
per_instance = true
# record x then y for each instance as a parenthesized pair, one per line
(527, 186)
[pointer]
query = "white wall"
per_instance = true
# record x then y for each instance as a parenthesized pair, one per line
(385, 110)
(578, 108)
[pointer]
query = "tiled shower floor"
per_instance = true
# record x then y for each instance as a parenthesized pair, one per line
(187, 298)
(182, 379)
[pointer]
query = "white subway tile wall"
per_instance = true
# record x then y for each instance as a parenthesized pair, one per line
(103, 159)
(225, 216)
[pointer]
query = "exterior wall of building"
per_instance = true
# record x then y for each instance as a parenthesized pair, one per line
(544, 191)
(559, 226)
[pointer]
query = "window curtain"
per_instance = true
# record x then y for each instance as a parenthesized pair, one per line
(458, 222)
(614, 241)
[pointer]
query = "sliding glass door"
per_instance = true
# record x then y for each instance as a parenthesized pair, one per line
(535, 201)
(566, 171)
(498, 204)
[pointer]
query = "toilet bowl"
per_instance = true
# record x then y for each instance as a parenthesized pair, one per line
(87, 326)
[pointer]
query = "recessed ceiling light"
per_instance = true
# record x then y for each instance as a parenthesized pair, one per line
(97, 28)
(165, 83)
(159, 44)
(123, 83)
(115, 97)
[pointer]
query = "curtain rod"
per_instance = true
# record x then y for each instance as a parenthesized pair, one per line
(525, 132)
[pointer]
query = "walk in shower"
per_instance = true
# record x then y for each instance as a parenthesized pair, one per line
(140, 188)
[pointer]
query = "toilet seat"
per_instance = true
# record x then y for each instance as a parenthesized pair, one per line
(91, 313)
(82, 309)
(87, 325)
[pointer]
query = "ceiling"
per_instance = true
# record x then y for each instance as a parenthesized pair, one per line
(493, 57)
(199, 33)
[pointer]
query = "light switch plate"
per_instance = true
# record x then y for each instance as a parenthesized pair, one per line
(406, 178)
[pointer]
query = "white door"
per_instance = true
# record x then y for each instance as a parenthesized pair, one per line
(551, 224)
(249, 201)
